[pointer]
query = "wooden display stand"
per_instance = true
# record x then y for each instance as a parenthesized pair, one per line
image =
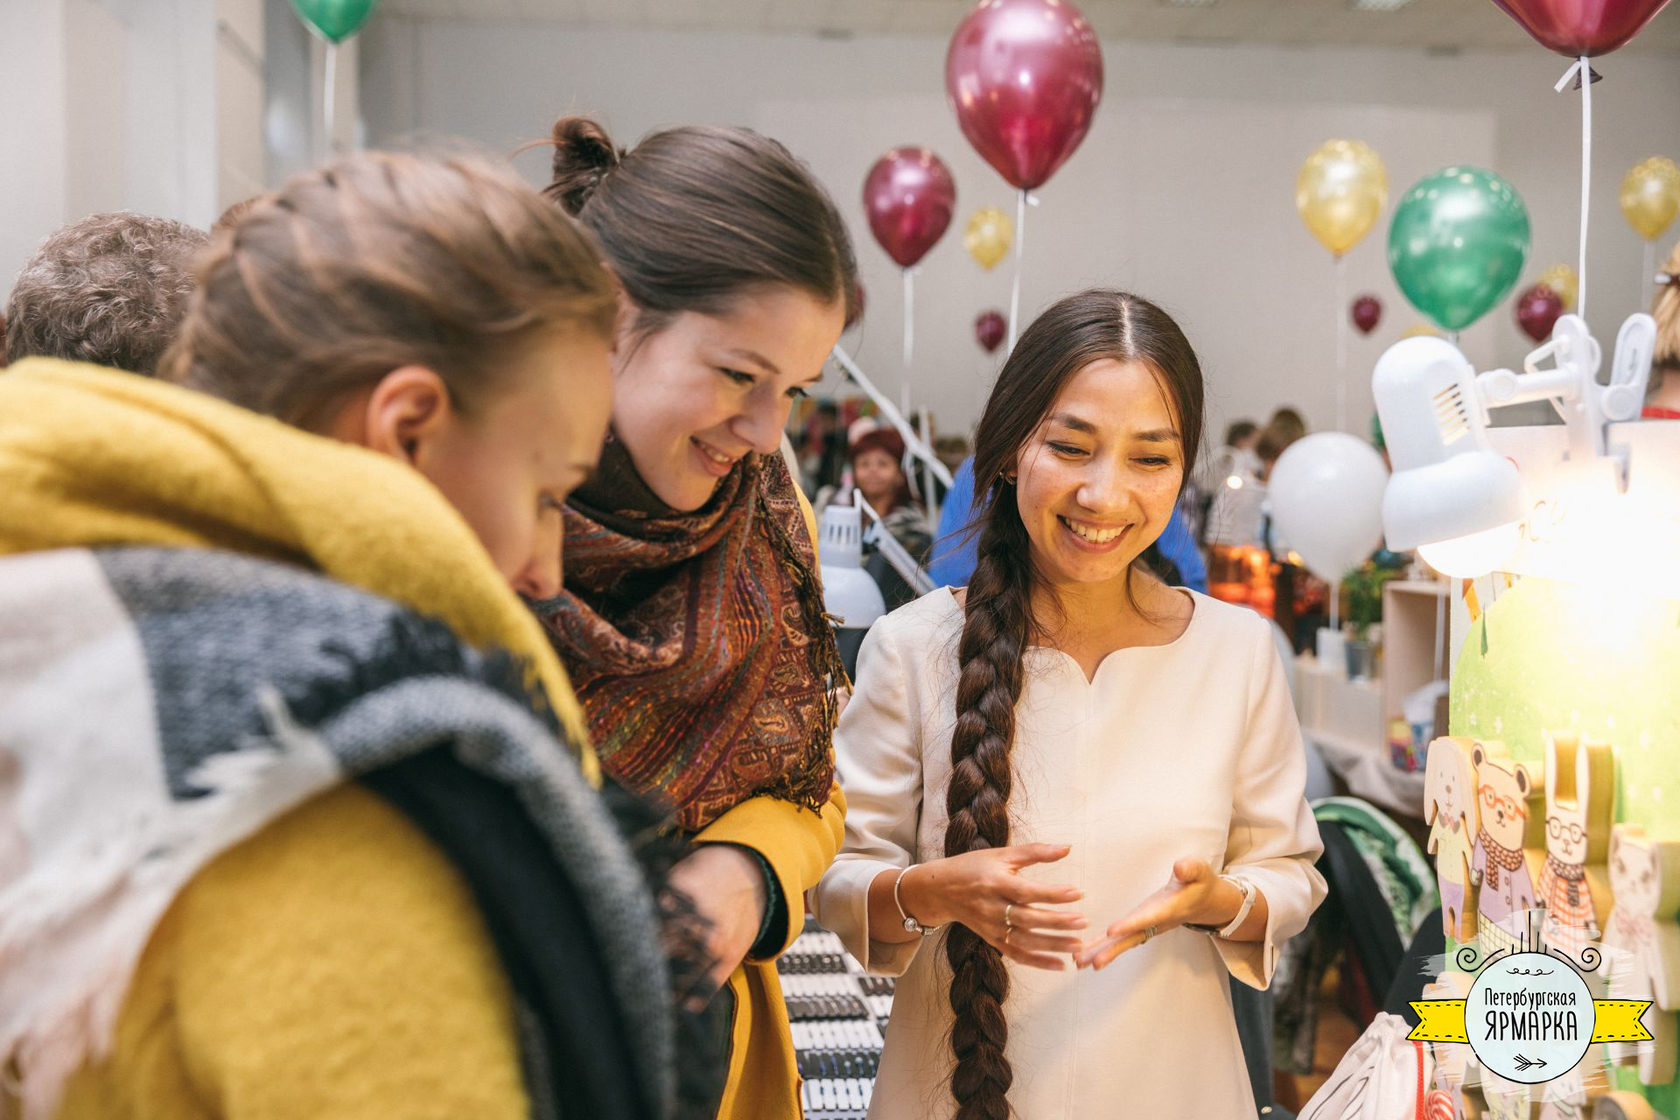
(1348, 719)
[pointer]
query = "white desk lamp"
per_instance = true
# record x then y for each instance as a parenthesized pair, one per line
(1451, 496)
(849, 592)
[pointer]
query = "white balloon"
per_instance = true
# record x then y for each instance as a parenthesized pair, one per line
(1326, 495)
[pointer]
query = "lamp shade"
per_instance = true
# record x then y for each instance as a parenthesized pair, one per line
(1469, 493)
(849, 592)
(1448, 482)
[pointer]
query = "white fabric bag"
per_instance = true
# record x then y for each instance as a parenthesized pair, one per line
(1381, 1077)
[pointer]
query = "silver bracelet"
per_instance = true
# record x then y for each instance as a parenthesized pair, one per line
(1249, 893)
(911, 925)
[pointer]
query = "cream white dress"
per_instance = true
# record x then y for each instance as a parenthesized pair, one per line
(1184, 750)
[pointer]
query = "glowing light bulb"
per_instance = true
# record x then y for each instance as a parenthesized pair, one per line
(1473, 555)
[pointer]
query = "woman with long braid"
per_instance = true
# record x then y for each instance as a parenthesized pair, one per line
(1070, 730)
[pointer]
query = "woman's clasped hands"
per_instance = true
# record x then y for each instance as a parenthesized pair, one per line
(984, 891)
(1028, 921)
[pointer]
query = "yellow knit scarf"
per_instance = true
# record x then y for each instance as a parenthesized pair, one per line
(93, 457)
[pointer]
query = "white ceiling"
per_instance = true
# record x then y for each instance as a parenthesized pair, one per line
(1469, 24)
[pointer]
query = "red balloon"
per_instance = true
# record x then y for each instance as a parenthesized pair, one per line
(990, 328)
(1582, 27)
(1025, 77)
(909, 196)
(1537, 312)
(1367, 313)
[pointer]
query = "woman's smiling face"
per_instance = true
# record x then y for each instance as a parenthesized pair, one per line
(1098, 479)
(690, 399)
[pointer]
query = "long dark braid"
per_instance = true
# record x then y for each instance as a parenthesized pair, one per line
(990, 654)
(999, 624)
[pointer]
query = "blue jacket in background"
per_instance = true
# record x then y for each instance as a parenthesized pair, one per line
(954, 558)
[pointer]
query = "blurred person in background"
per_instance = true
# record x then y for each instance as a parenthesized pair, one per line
(1662, 401)
(878, 473)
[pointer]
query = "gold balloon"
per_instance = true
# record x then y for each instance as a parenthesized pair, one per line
(1651, 196)
(1421, 330)
(988, 236)
(1561, 279)
(1340, 192)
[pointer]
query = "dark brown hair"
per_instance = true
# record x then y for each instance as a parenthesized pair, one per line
(1239, 429)
(376, 262)
(692, 218)
(1274, 440)
(110, 289)
(998, 625)
(1288, 424)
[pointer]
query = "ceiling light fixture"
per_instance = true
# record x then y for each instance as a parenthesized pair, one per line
(1377, 5)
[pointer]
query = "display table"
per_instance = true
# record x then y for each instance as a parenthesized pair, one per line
(1344, 719)
(1348, 719)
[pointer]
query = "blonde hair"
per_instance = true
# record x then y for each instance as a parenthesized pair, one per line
(379, 261)
(1665, 309)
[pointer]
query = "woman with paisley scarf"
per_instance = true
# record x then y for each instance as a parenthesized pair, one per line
(691, 619)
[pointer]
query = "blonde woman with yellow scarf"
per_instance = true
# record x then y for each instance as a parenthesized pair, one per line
(296, 814)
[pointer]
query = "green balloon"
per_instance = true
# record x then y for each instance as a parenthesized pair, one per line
(1458, 243)
(337, 20)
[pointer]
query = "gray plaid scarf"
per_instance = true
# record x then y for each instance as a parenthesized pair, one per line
(158, 706)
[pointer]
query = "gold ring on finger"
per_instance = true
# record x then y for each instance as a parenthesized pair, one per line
(1007, 930)
(1149, 933)
(1007, 923)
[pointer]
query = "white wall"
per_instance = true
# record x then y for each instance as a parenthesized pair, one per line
(146, 105)
(1183, 191)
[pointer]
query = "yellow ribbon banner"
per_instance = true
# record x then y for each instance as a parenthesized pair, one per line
(1615, 1020)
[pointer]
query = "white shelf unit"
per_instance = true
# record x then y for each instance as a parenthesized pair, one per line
(1348, 719)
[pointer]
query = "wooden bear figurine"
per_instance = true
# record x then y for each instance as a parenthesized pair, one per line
(1580, 804)
(1510, 840)
(1645, 879)
(1450, 807)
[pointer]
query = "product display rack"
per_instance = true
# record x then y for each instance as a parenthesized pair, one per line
(838, 1014)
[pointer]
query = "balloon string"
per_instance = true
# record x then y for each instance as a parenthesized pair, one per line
(1015, 286)
(1341, 344)
(327, 95)
(1586, 181)
(1649, 271)
(909, 325)
(1581, 71)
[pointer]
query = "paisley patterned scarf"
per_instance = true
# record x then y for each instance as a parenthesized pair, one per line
(697, 642)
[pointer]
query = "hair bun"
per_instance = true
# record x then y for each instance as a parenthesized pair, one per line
(583, 155)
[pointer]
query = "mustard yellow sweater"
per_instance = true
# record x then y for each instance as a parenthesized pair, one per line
(333, 966)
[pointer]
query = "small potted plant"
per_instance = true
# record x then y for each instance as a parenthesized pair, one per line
(1362, 588)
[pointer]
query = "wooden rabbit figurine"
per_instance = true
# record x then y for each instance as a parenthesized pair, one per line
(1580, 804)
(1510, 840)
(1645, 878)
(1450, 807)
